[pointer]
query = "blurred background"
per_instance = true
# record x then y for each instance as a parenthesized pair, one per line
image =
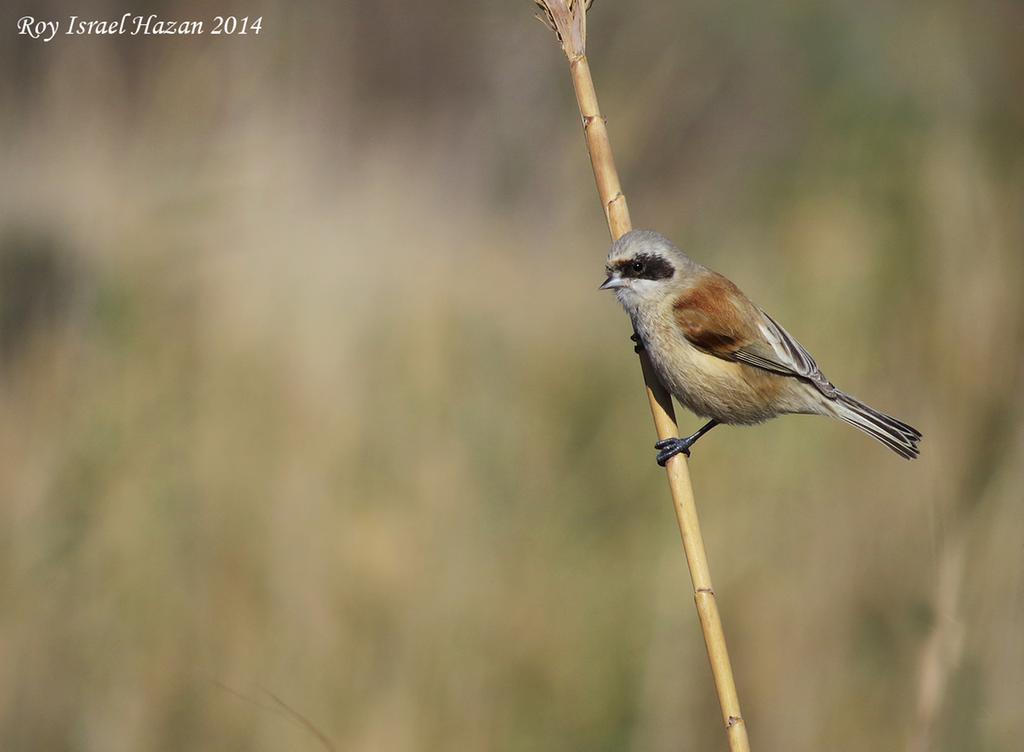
(316, 434)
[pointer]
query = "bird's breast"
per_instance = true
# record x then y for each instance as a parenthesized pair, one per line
(725, 390)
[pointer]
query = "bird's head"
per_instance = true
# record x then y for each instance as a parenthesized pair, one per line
(645, 267)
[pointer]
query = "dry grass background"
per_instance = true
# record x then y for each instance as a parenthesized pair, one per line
(305, 388)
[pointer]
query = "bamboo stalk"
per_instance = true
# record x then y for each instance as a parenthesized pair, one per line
(567, 18)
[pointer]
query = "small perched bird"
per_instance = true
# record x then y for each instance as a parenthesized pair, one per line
(722, 356)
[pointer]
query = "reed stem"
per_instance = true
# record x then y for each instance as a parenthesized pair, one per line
(567, 18)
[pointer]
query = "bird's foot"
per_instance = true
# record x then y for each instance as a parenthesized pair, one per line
(671, 447)
(639, 346)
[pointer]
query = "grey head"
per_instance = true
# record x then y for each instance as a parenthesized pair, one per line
(644, 266)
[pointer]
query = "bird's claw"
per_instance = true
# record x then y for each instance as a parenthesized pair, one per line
(671, 447)
(639, 346)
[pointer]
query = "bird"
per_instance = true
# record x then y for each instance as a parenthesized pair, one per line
(720, 355)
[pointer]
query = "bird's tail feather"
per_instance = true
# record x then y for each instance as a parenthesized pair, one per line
(895, 434)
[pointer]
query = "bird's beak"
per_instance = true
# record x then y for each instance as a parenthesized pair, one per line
(612, 283)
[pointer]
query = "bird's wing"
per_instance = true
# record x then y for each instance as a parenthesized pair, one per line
(779, 351)
(717, 317)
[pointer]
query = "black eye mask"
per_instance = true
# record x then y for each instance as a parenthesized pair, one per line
(645, 266)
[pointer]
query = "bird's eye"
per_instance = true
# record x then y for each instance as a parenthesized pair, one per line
(638, 267)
